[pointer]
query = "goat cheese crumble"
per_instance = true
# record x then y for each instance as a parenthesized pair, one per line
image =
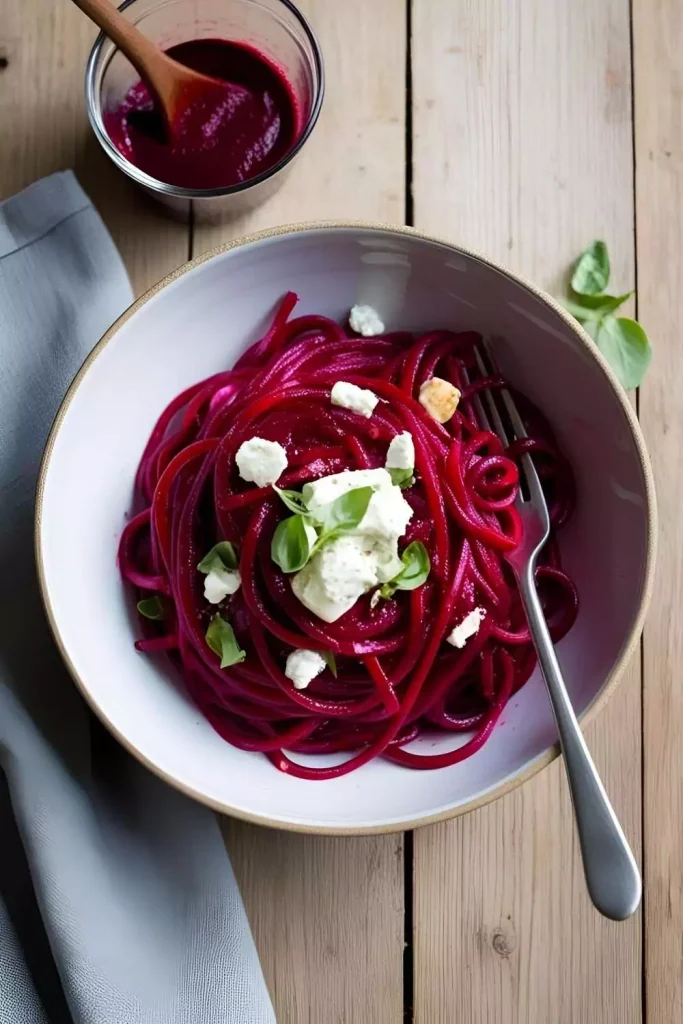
(303, 666)
(469, 627)
(366, 321)
(350, 396)
(261, 462)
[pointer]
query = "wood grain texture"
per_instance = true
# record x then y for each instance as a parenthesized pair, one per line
(44, 129)
(327, 913)
(658, 42)
(523, 149)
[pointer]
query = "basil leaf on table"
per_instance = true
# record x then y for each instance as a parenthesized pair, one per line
(220, 637)
(591, 273)
(221, 556)
(401, 477)
(290, 547)
(622, 341)
(293, 500)
(151, 608)
(594, 307)
(416, 566)
(625, 346)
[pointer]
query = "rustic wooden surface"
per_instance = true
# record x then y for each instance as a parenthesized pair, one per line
(518, 137)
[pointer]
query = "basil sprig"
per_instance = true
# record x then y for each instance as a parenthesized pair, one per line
(622, 341)
(416, 566)
(220, 637)
(221, 556)
(293, 500)
(292, 545)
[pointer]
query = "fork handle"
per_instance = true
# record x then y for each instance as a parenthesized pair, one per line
(610, 868)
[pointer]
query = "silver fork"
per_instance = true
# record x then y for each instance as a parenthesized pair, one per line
(611, 872)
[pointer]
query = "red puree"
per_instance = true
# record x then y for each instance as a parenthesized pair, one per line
(225, 137)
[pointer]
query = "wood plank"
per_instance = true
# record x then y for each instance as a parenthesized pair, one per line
(327, 913)
(44, 129)
(522, 148)
(658, 38)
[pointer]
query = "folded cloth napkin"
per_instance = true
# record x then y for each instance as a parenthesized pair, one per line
(117, 901)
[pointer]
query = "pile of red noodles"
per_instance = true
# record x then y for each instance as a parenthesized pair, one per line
(397, 677)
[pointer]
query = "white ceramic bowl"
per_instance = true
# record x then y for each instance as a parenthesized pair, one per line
(198, 321)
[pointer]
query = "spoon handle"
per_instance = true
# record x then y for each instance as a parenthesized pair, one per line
(143, 54)
(610, 868)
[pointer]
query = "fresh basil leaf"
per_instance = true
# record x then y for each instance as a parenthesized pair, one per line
(293, 500)
(402, 477)
(416, 567)
(591, 327)
(330, 661)
(345, 512)
(594, 307)
(625, 346)
(151, 608)
(220, 637)
(591, 273)
(221, 556)
(290, 547)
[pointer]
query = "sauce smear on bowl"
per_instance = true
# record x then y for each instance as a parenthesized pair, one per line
(228, 136)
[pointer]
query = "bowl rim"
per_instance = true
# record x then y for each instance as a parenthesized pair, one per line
(630, 643)
(93, 103)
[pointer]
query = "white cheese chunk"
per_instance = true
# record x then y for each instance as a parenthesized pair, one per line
(350, 396)
(365, 320)
(440, 398)
(469, 627)
(261, 462)
(303, 666)
(401, 454)
(331, 583)
(221, 583)
(387, 515)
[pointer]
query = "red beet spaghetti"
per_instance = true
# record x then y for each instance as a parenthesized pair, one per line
(396, 676)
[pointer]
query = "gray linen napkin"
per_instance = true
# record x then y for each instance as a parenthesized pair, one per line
(117, 901)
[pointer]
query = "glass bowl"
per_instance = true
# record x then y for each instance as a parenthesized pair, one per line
(274, 27)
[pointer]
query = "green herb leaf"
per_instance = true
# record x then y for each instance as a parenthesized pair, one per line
(221, 556)
(330, 661)
(293, 500)
(290, 547)
(402, 477)
(625, 346)
(151, 608)
(345, 512)
(594, 307)
(416, 566)
(221, 639)
(591, 273)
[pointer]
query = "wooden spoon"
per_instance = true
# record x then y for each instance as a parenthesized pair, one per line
(174, 86)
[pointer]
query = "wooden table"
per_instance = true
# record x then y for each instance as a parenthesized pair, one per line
(525, 128)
